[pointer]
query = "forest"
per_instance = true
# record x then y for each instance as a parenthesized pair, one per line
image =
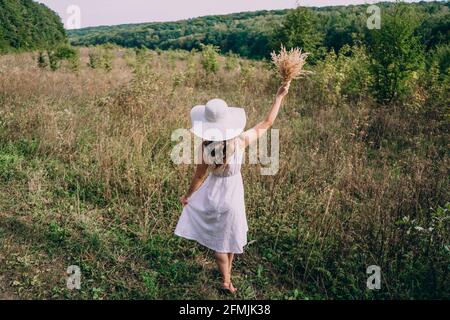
(27, 25)
(255, 34)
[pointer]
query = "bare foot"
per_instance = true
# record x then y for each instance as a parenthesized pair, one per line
(228, 287)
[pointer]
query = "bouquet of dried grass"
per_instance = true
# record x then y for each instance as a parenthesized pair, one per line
(290, 63)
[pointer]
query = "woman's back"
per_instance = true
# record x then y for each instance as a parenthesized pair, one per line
(215, 214)
(232, 165)
(213, 208)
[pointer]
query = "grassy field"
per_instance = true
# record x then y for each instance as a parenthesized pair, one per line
(86, 179)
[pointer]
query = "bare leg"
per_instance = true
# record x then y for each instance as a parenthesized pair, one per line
(224, 268)
(230, 263)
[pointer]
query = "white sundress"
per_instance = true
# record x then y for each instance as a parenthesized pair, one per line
(215, 214)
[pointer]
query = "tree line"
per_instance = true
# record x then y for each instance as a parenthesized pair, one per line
(256, 34)
(27, 25)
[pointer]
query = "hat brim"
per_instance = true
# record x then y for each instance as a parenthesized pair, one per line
(228, 128)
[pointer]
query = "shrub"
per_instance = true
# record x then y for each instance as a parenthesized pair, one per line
(71, 55)
(58, 54)
(65, 52)
(53, 60)
(42, 62)
(395, 53)
(231, 61)
(344, 75)
(101, 57)
(300, 29)
(210, 56)
(441, 56)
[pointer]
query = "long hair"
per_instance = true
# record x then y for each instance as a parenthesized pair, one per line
(217, 149)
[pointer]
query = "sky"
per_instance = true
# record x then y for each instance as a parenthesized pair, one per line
(87, 13)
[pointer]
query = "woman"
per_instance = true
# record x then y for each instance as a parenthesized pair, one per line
(213, 208)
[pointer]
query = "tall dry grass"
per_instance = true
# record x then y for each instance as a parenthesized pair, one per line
(337, 205)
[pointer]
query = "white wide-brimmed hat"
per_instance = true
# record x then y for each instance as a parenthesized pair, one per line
(216, 121)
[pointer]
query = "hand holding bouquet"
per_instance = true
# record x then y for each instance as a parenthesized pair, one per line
(290, 64)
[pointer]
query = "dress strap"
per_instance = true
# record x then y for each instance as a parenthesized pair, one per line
(238, 152)
(236, 148)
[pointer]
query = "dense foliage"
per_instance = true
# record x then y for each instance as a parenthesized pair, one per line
(255, 34)
(396, 53)
(26, 25)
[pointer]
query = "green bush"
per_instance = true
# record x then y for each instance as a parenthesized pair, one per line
(300, 28)
(440, 55)
(101, 57)
(210, 56)
(395, 53)
(53, 61)
(232, 61)
(42, 62)
(344, 75)
(65, 52)
(59, 54)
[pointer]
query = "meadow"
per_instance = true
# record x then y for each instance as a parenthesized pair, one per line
(86, 179)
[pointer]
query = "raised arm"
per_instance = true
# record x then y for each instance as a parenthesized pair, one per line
(252, 135)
